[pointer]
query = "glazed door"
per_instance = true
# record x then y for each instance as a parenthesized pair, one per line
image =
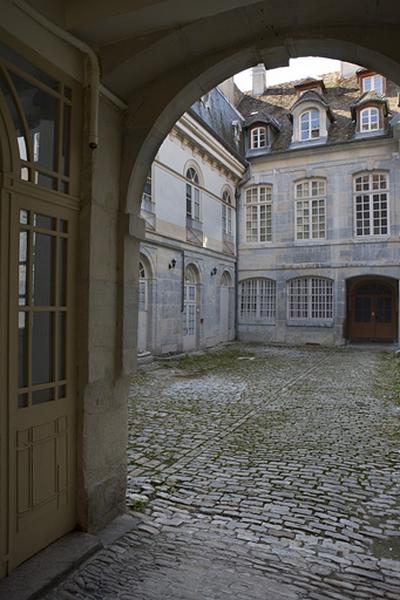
(143, 310)
(42, 403)
(373, 313)
(190, 317)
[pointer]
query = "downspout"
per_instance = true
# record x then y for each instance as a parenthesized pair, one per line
(92, 71)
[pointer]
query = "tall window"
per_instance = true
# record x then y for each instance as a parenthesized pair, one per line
(369, 119)
(192, 195)
(373, 83)
(310, 298)
(142, 287)
(310, 204)
(258, 138)
(258, 299)
(310, 125)
(371, 204)
(227, 213)
(259, 214)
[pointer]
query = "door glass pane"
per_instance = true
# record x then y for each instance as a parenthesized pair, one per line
(66, 141)
(22, 349)
(42, 347)
(23, 254)
(62, 345)
(40, 396)
(62, 271)
(362, 309)
(44, 222)
(43, 269)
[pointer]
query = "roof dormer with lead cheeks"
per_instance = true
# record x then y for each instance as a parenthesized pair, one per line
(260, 134)
(369, 114)
(310, 114)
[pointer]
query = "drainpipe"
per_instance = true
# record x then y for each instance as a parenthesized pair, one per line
(92, 77)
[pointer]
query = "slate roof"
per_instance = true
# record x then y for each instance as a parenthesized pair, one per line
(341, 94)
(217, 114)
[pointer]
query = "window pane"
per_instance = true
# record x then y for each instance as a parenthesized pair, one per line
(42, 347)
(22, 349)
(62, 340)
(23, 268)
(66, 141)
(43, 269)
(62, 249)
(40, 396)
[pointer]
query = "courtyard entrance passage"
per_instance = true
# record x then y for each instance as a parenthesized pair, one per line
(258, 473)
(373, 312)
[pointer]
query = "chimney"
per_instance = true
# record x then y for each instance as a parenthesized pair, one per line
(258, 74)
(347, 69)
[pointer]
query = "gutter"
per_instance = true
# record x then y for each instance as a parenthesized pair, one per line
(92, 70)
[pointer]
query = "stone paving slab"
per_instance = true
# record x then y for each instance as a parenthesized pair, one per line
(259, 473)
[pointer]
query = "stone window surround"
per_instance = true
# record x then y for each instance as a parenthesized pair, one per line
(309, 301)
(370, 192)
(304, 107)
(260, 292)
(311, 198)
(260, 216)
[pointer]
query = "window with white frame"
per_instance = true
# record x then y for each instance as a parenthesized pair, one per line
(258, 138)
(259, 213)
(373, 83)
(310, 299)
(369, 119)
(142, 287)
(192, 194)
(371, 204)
(310, 209)
(310, 125)
(227, 213)
(258, 299)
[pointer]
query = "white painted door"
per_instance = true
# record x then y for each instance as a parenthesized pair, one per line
(190, 317)
(143, 318)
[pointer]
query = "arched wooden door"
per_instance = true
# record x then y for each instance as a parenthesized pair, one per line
(373, 311)
(38, 238)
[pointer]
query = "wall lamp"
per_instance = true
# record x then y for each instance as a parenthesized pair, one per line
(172, 264)
(213, 271)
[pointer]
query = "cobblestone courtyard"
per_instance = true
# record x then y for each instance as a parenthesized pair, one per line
(258, 473)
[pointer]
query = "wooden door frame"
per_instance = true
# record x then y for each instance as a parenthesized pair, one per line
(352, 283)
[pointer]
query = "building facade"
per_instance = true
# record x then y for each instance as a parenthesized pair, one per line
(187, 269)
(319, 216)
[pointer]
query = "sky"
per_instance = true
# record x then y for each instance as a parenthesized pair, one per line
(298, 68)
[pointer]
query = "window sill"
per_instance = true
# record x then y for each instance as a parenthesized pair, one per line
(320, 323)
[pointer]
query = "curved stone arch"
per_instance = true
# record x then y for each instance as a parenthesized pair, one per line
(148, 262)
(193, 273)
(142, 142)
(226, 279)
(227, 188)
(192, 164)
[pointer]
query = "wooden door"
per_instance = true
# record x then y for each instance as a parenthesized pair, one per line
(42, 391)
(373, 312)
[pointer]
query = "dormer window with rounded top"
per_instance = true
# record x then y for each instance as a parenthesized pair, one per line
(258, 138)
(310, 125)
(369, 119)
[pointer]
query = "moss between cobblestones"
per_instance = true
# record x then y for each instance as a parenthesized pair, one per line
(391, 377)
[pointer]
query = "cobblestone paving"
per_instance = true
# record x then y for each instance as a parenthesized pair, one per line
(260, 473)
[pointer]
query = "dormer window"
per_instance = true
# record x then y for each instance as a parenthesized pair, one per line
(369, 119)
(373, 83)
(258, 138)
(310, 125)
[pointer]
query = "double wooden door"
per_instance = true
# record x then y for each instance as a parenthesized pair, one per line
(373, 312)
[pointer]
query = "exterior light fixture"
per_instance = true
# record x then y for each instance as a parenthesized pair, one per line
(213, 271)
(172, 264)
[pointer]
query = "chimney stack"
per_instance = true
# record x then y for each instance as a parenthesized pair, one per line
(258, 74)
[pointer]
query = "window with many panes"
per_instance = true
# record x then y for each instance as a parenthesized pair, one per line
(310, 125)
(310, 208)
(371, 204)
(257, 299)
(369, 119)
(310, 298)
(192, 195)
(258, 138)
(147, 196)
(259, 214)
(227, 213)
(373, 83)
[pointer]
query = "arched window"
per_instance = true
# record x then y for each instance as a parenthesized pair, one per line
(227, 213)
(192, 194)
(257, 298)
(371, 204)
(369, 119)
(259, 213)
(258, 138)
(310, 299)
(310, 125)
(310, 205)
